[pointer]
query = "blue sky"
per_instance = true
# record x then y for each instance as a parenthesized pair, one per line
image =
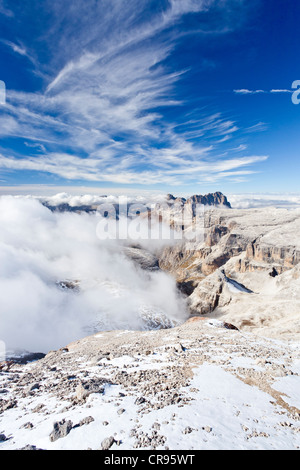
(181, 96)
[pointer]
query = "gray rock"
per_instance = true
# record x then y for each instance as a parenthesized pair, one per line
(60, 429)
(38, 408)
(187, 430)
(156, 426)
(30, 447)
(35, 386)
(87, 420)
(32, 388)
(107, 443)
(207, 429)
(82, 392)
(27, 426)
(139, 401)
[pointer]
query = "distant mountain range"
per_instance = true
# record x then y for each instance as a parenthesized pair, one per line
(211, 199)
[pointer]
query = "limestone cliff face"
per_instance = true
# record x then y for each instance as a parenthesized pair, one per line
(238, 243)
(265, 237)
(260, 254)
(214, 234)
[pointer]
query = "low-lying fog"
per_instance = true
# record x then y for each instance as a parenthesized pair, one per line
(40, 248)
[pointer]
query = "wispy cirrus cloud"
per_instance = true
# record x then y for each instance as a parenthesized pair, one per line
(4, 10)
(101, 113)
(177, 171)
(245, 91)
(19, 49)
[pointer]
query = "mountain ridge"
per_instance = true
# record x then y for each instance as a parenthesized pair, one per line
(79, 204)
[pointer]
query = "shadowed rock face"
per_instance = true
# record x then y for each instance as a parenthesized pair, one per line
(211, 199)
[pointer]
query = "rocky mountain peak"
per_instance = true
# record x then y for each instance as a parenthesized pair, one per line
(210, 199)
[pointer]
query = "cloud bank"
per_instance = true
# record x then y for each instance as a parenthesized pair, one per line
(257, 200)
(39, 249)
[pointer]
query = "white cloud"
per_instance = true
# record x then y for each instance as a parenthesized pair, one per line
(15, 47)
(245, 91)
(258, 127)
(178, 7)
(39, 248)
(257, 200)
(281, 91)
(175, 172)
(4, 10)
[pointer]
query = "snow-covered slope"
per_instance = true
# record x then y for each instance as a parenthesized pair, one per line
(197, 386)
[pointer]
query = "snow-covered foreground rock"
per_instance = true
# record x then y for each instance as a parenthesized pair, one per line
(202, 385)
